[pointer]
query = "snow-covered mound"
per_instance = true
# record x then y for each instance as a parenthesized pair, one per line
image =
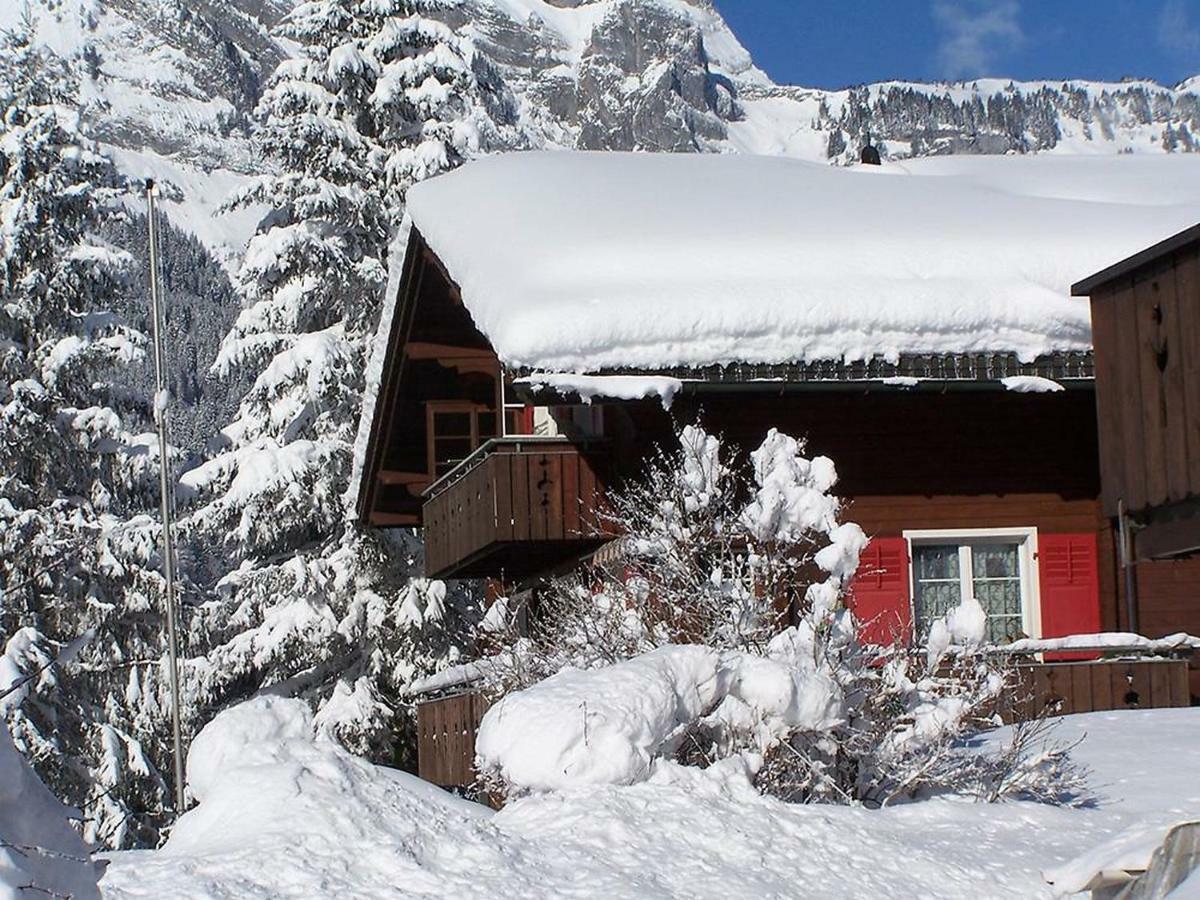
(612, 725)
(40, 853)
(578, 261)
(286, 814)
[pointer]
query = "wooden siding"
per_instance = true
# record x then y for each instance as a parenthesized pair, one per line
(1077, 687)
(916, 461)
(1169, 602)
(446, 729)
(516, 510)
(1146, 329)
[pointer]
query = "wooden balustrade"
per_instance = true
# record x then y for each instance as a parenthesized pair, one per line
(516, 507)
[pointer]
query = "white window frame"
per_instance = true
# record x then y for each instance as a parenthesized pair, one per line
(1026, 539)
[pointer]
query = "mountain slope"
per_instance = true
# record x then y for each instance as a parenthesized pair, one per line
(180, 79)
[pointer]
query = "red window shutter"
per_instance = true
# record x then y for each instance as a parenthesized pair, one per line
(520, 420)
(1069, 579)
(879, 593)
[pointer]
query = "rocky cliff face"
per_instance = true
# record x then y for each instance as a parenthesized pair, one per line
(170, 85)
(175, 77)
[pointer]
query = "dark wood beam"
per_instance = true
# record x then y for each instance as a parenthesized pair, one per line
(1165, 540)
(452, 286)
(391, 476)
(395, 520)
(427, 350)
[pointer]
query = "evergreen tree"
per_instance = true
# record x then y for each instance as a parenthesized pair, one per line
(379, 97)
(77, 555)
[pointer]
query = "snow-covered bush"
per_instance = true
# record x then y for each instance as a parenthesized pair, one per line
(721, 631)
(710, 554)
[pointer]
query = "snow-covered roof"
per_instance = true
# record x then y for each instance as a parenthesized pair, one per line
(577, 262)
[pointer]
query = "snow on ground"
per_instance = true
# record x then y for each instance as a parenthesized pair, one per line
(657, 260)
(285, 814)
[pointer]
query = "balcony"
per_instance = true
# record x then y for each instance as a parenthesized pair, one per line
(516, 507)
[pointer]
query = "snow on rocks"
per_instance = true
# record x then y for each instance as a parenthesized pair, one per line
(656, 260)
(40, 853)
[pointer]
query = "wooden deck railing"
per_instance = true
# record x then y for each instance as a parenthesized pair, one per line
(515, 507)
(1061, 688)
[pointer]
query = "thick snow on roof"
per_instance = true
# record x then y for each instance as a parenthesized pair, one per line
(584, 261)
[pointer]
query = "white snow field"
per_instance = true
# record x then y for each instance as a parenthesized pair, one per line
(578, 262)
(284, 813)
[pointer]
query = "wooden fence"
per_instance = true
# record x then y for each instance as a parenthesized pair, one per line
(1061, 688)
(446, 738)
(446, 726)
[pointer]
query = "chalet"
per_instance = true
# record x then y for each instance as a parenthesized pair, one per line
(557, 315)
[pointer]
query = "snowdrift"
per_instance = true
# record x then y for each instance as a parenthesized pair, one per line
(284, 813)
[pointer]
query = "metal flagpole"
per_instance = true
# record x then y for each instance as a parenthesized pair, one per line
(166, 491)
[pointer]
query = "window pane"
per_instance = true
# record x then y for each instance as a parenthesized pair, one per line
(995, 561)
(996, 569)
(451, 449)
(456, 424)
(936, 562)
(938, 583)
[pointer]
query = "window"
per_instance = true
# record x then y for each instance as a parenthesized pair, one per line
(455, 428)
(992, 567)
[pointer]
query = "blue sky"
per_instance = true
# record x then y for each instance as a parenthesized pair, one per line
(822, 43)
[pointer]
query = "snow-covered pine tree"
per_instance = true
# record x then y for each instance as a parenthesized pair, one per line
(379, 97)
(77, 555)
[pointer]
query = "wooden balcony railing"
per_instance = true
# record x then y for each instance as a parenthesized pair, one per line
(516, 507)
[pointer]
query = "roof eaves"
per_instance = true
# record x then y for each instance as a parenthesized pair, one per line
(949, 368)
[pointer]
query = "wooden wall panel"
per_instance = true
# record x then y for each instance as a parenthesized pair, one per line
(1174, 387)
(1079, 687)
(1187, 292)
(1146, 329)
(446, 730)
(1108, 393)
(1145, 320)
(1129, 396)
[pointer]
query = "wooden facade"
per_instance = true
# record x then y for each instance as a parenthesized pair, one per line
(954, 455)
(1146, 329)
(437, 367)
